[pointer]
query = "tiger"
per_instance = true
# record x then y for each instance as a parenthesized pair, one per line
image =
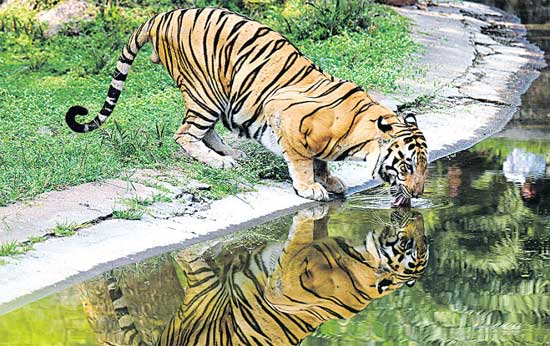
(232, 69)
(278, 294)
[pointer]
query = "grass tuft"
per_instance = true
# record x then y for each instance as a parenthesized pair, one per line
(10, 248)
(36, 240)
(65, 230)
(129, 214)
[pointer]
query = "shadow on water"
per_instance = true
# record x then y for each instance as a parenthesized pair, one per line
(485, 216)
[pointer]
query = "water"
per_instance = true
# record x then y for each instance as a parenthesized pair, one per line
(484, 220)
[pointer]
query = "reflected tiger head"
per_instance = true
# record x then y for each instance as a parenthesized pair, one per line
(405, 165)
(400, 250)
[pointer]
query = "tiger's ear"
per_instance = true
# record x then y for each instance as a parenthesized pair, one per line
(383, 124)
(410, 119)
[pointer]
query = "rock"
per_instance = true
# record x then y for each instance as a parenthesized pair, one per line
(165, 210)
(185, 197)
(65, 12)
(197, 185)
(398, 2)
(483, 39)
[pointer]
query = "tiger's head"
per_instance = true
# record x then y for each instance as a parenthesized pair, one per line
(400, 251)
(405, 164)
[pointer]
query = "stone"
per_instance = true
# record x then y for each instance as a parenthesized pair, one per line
(78, 204)
(483, 39)
(197, 185)
(63, 13)
(185, 198)
(165, 210)
(484, 51)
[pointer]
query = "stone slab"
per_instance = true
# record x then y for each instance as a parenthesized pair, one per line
(79, 204)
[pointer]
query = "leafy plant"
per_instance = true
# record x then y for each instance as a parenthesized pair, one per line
(321, 19)
(21, 21)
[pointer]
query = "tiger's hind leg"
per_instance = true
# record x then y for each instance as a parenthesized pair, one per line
(329, 181)
(190, 136)
(214, 142)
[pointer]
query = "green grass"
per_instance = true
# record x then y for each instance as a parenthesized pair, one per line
(373, 59)
(36, 240)
(10, 248)
(420, 102)
(129, 214)
(40, 79)
(136, 202)
(65, 230)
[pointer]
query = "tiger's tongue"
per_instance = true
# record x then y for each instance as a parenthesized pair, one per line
(401, 202)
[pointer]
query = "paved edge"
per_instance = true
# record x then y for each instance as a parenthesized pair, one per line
(15, 296)
(525, 77)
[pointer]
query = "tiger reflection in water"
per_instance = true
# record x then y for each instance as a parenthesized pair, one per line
(278, 295)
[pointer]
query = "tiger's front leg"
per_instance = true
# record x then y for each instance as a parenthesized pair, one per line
(300, 167)
(330, 182)
(301, 172)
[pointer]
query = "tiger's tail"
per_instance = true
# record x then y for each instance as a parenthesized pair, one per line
(132, 336)
(129, 53)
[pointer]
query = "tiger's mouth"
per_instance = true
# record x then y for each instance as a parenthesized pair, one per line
(401, 202)
(401, 197)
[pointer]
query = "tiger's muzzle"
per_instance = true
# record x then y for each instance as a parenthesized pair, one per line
(412, 187)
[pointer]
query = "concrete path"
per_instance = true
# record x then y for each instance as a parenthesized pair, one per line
(477, 65)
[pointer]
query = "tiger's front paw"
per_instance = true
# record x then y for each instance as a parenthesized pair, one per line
(313, 191)
(335, 185)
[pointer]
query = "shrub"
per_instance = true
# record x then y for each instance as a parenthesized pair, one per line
(21, 22)
(320, 19)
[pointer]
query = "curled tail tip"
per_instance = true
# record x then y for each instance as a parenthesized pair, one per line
(70, 119)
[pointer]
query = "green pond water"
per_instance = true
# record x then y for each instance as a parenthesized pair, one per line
(484, 223)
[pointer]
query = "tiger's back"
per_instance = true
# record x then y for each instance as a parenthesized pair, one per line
(228, 65)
